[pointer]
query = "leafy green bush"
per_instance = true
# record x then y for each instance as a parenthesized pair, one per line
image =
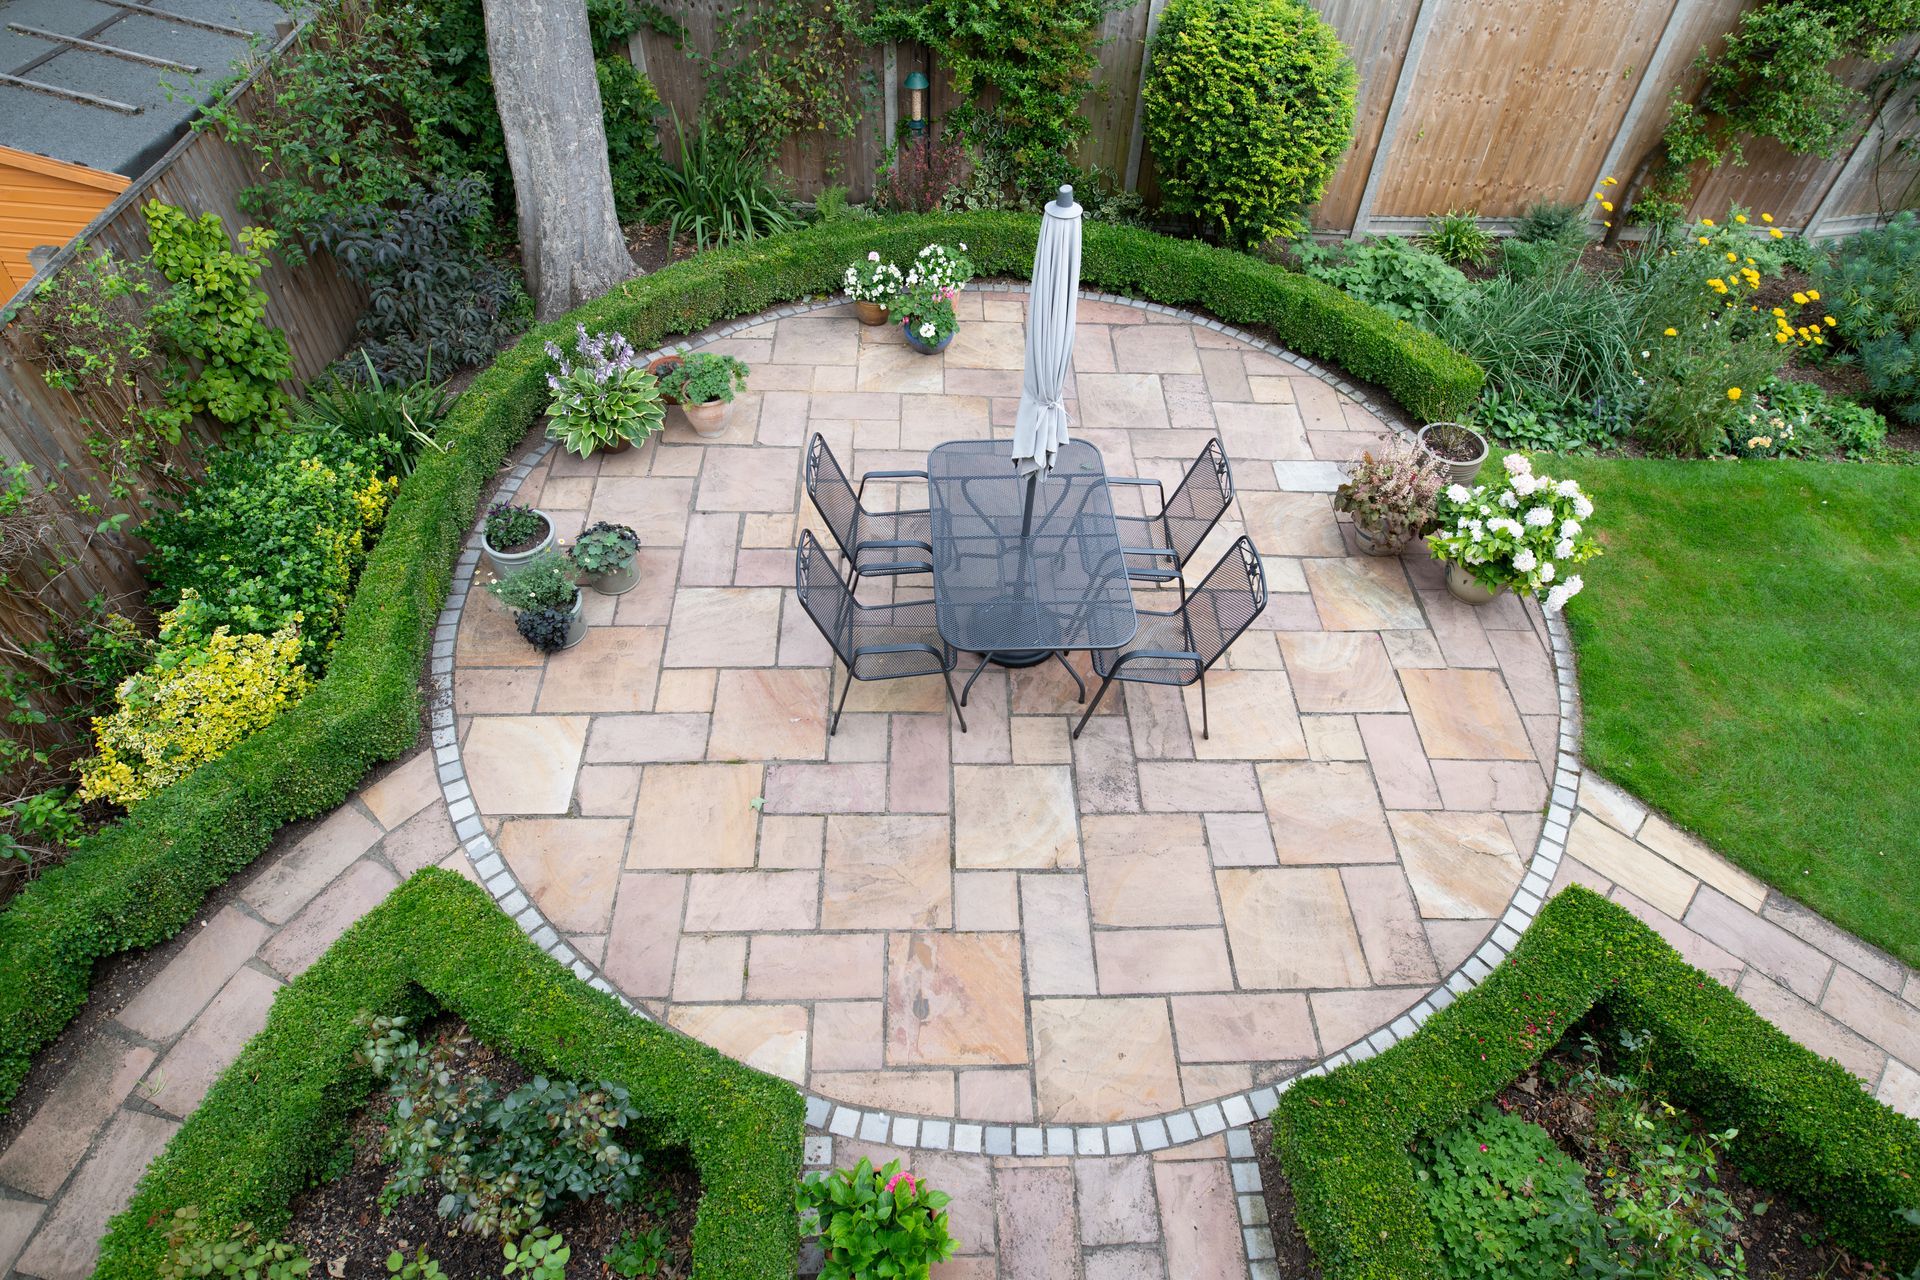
(139, 882)
(1807, 1127)
(277, 1118)
(273, 535)
(876, 1222)
(240, 1255)
(719, 194)
(1693, 406)
(1819, 422)
(1543, 425)
(1457, 238)
(1249, 107)
(1390, 273)
(544, 582)
(1873, 290)
(1552, 223)
(1507, 1204)
(701, 377)
(1536, 259)
(436, 303)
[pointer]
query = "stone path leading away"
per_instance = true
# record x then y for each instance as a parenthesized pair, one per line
(1191, 1209)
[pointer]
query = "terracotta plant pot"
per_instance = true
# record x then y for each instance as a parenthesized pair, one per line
(1459, 450)
(660, 366)
(504, 562)
(870, 312)
(924, 348)
(709, 419)
(1467, 589)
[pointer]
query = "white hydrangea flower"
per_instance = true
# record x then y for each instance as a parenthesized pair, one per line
(1558, 596)
(1457, 493)
(1524, 560)
(1517, 464)
(1524, 484)
(1547, 571)
(1563, 548)
(1582, 506)
(1569, 528)
(1540, 517)
(1509, 501)
(1569, 488)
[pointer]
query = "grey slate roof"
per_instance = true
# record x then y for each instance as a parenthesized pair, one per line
(166, 100)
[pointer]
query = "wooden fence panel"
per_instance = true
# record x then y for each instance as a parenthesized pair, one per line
(1376, 35)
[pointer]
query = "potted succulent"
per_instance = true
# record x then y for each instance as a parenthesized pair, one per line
(872, 285)
(924, 305)
(606, 401)
(605, 554)
(543, 594)
(1392, 498)
(513, 535)
(876, 1222)
(1460, 449)
(704, 384)
(1523, 532)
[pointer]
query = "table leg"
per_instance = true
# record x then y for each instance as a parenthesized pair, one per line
(1079, 684)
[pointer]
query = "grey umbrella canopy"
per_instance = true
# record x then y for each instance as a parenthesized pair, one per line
(1041, 427)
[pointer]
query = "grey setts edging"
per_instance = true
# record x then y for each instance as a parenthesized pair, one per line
(1229, 1114)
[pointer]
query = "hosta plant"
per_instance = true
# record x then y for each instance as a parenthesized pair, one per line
(1525, 531)
(606, 399)
(1394, 494)
(876, 1222)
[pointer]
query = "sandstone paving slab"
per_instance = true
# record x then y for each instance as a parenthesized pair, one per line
(1139, 961)
(752, 901)
(1240, 1027)
(1389, 925)
(1014, 816)
(1465, 715)
(645, 933)
(1890, 1021)
(1103, 1059)
(524, 764)
(817, 966)
(182, 1077)
(1058, 935)
(771, 1037)
(997, 1094)
(1780, 955)
(776, 713)
(1034, 1220)
(1148, 869)
(1290, 927)
(724, 627)
(1325, 813)
(1820, 1032)
(696, 815)
(287, 885)
(953, 999)
(1341, 671)
(1693, 857)
(1199, 1219)
(1899, 1089)
(426, 838)
(1343, 1017)
(69, 1241)
(1616, 857)
(1461, 865)
(1251, 716)
(709, 967)
(305, 937)
(51, 1144)
(891, 872)
(175, 995)
(570, 866)
(1116, 1200)
(1358, 593)
(658, 738)
(613, 669)
(849, 1035)
(18, 1218)
(402, 791)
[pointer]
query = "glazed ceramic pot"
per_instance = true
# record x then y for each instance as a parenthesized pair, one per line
(870, 312)
(924, 348)
(1464, 587)
(504, 562)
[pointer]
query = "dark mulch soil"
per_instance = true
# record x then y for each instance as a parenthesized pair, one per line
(1785, 1242)
(339, 1226)
(651, 249)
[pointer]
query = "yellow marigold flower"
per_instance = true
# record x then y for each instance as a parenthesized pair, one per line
(1766, 217)
(1704, 240)
(1740, 218)
(1607, 205)
(1706, 222)
(1779, 337)
(1733, 393)
(1608, 182)
(1777, 233)
(1594, 196)
(1750, 262)
(1778, 311)
(1606, 224)
(1800, 298)
(1814, 294)
(1733, 257)
(1829, 320)
(1819, 341)
(1673, 333)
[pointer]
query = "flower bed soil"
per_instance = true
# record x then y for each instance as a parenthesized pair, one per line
(1786, 1242)
(339, 1227)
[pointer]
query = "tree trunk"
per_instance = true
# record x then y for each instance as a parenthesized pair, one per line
(541, 57)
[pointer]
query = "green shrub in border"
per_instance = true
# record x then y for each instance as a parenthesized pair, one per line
(275, 1119)
(1806, 1126)
(140, 882)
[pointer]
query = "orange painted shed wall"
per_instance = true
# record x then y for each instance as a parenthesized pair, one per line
(44, 201)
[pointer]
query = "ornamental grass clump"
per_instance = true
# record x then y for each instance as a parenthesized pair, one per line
(1523, 531)
(876, 1222)
(606, 400)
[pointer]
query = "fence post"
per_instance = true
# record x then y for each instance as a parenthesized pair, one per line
(1137, 139)
(1402, 90)
(1650, 81)
(890, 72)
(1868, 148)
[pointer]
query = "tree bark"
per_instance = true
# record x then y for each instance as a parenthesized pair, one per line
(544, 84)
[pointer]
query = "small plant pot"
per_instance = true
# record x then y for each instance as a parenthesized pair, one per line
(924, 348)
(1460, 450)
(1374, 539)
(870, 312)
(709, 419)
(1467, 589)
(504, 562)
(617, 583)
(576, 621)
(660, 367)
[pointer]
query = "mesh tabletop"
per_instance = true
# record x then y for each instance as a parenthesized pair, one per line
(1061, 586)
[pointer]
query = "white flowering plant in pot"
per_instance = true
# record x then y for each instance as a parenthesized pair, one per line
(1524, 532)
(873, 280)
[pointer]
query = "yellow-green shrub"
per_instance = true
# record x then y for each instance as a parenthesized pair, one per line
(201, 695)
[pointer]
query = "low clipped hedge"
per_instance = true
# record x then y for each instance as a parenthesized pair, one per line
(141, 881)
(277, 1118)
(1806, 1126)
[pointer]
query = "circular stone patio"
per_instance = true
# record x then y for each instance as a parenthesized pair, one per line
(1003, 925)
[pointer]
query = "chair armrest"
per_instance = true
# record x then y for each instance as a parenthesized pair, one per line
(1162, 655)
(885, 475)
(1141, 483)
(894, 542)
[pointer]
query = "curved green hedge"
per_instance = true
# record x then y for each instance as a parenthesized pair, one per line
(276, 1118)
(140, 882)
(1806, 1126)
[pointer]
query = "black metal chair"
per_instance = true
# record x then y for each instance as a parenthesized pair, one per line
(1167, 539)
(875, 544)
(876, 642)
(1178, 646)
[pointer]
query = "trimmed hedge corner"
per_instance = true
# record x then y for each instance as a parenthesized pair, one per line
(1806, 1126)
(141, 881)
(277, 1117)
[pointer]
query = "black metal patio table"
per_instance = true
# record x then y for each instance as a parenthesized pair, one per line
(1022, 573)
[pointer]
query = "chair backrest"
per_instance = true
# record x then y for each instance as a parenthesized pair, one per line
(1203, 496)
(1226, 602)
(824, 595)
(832, 493)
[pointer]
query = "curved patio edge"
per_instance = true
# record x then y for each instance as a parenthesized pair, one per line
(956, 1133)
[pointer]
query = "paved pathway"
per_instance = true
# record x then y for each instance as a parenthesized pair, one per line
(1187, 1209)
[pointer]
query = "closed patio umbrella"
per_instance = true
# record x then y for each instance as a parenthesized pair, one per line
(1041, 427)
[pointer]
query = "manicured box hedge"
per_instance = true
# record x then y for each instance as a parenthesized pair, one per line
(141, 881)
(277, 1117)
(1806, 1126)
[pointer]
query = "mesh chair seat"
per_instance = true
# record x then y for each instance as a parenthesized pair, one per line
(1159, 632)
(1148, 533)
(873, 529)
(883, 626)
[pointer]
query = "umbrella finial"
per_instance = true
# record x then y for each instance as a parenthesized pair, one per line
(1065, 198)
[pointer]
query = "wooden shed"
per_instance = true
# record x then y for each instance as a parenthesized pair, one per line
(43, 204)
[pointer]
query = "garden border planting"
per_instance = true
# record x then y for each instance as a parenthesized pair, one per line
(1806, 1127)
(277, 1117)
(140, 881)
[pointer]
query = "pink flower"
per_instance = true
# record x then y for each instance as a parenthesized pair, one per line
(903, 1175)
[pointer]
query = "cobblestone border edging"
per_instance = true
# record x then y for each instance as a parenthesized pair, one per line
(1230, 1114)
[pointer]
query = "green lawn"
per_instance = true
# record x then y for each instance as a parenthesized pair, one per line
(1749, 655)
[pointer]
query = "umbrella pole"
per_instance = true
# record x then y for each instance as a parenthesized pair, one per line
(1026, 511)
